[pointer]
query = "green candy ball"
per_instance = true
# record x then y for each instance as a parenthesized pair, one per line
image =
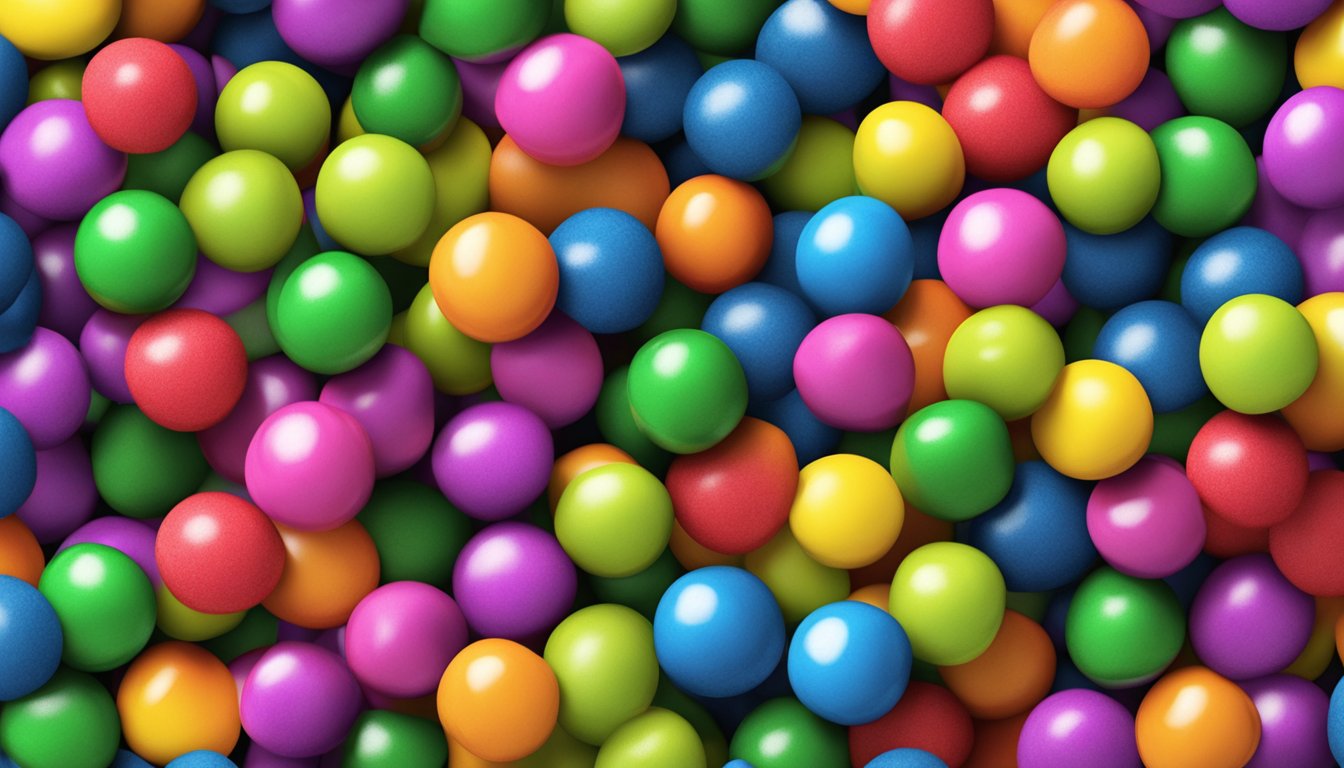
(167, 172)
(472, 30)
(874, 446)
(105, 604)
(1226, 69)
(407, 89)
(71, 722)
(1104, 175)
(333, 314)
(820, 169)
(782, 733)
(604, 660)
(277, 108)
(417, 532)
(950, 599)
(614, 520)
(621, 26)
(141, 469)
(1258, 353)
(1006, 357)
(459, 364)
(134, 252)
(687, 390)
(1173, 432)
(953, 459)
(672, 698)
(1080, 335)
(383, 739)
(245, 208)
(656, 739)
(375, 194)
(640, 591)
(678, 307)
(723, 28)
(58, 80)
(617, 423)
(1122, 631)
(1208, 176)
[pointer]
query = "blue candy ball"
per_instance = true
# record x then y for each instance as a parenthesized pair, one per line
(742, 119)
(18, 322)
(1110, 271)
(924, 234)
(823, 52)
(1335, 722)
(1158, 342)
(128, 759)
(30, 635)
(682, 163)
(13, 82)
(1236, 262)
(1038, 534)
(906, 757)
(16, 252)
(657, 81)
(611, 270)
(18, 464)
(248, 36)
(855, 255)
(849, 662)
(202, 758)
(781, 267)
(240, 6)
(718, 631)
(811, 438)
(763, 325)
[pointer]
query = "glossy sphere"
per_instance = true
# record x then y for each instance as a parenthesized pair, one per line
(499, 700)
(218, 553)
(1208, 176)
(1011, 676)
(1146, 521)
(408, 90)
(23, 557)
(555, 371)
(469, 31)
(799, 583)
(494, 277)
(928, 717)
(1104, 176)
(401, 636)
(741, 119)
(277, 108)
(139, 95)
(1122, 631)
(272, 383)
(1236, 262)
(1306, 128)
(953, 459)
(299, 700)
(1298, 542)
(763, 325)
(847, 512)
(855, 372)
(493, 459)
(1001, 246)
(614, 521)
(134, 252)
(177, 698)
(1096, 423)
(657, 737)
(186, 369)
(1006, 357)
(907, 156)
(382, 738)
(1158, 342)
(1089, 53)
(392, 397)
(687, 390)
(45, 386)
(1247, 620)
(718, 632)
(849, 662)
(949, 598)
(1318, 52)
(822, 52)
(1078, 727)
(782, 732)
(623, 28)
(1194, 717)
(1257, 353)
(604, 661)
(457, 363)
(1225, 69)
(611, 271)
(326, 574)
(513, 580)
(105, 604)
(141, 469)
(32, 631)
(715, 233)
(1006, 124)
(1315, 235)
(55, 166)
(930, 42)
(244, 208)
(18, 469)
(562, 99)
(1248, 470)
(333, 34)
(1293, 722)
(1319, 426)
(71, 721)
(333, 313)
(375, 194)
(855, 255)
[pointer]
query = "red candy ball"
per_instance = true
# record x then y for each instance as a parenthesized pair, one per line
(1006, 124)
(1249, 470)
(186, 369)
(139, 95)
(930, 42)
(218, 553)
(927, 717)
(1226, 539)
(1306, 546)
(736, 496)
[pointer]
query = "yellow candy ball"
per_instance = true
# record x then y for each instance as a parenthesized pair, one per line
(57, 29)
(178, 698)
(907, 156)
(1319, 56)
(847, 512)
(1096, 423)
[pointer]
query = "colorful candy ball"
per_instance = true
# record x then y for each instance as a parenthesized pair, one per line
(493, 459)
(299, 700)
(855, 372)
(186, 369)
(1001, 246)
(849, 662)
(949, 598)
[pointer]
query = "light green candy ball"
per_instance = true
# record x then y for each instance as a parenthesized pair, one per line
(614, 520)
(1104, 175)
(1258, 354)
(245, 209)
(375, 194)
(1006, 357)
(655, 739)
(622, 27)
(604, 660)
(277, 108)
(950, 599)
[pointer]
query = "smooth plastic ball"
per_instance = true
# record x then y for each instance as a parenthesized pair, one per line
(1104, 176)
(176, 701)
(139, 95)
(105, 604)
(611, 272)
(855, 255)
(687, 390)
(244, 208)
(336, 33)
(1146, 522)
(741, 119)
(657, 737)
(847, 512)
(1248, 621)
(54, 164)
(918, 176)
(31, 630)
(953, 459)
(930, 41)
(1089, 53)
(763, 325)
(1096, 423)
(299, 700)
(1194, 715)
(1078, 726)
(1006, 357)
(614, 520)
(1001, 246)
(715, 233)
(855, 372)
(604, 661)
(499, 700)
(45, 385)
(333, 314)
(1257, 353)
(819, 171)
(1123, 631)
(474, 32)
(1236, 262)
(375, 194)
(782, 732)
(140, 468)
(1208, 176)
(513, 580)
(14, 86)
(623, 27)
(277, 108)
(1294, 717)
(135, 253)
(822, 52)
(218, 553)
(1225, 69)
(1304, 133)
(326, 574)
(722, 30)
(71, 721)
(401, 636)
(407, 89)
(1158, 342)
(949, 598)
(493, 459)
(385, 738)
(849, 662)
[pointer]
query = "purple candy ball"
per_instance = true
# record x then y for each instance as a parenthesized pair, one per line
(1078, 727)
(1058, 306)
(480, 82)
(493, 459)
(1304, 148)
(258, 757)
(1180, 9)
(392, 396)
(554, 371)
(855, 372)
(1153, 103)
(272, 383)
(103, 344)
(1271, 212)
(221, 291)
(66, 306)
(1147, 521)
(1292, 723)
(54, 164)
(1317, 460)
(513, 580)
(130, 537)
(1320, 249)
(64, 497)
(401, 636)
(45, 385)
(335, 33)
(922, 94)
(1277, 15)
(1247, 620)
(207, 93)
(31, 224)
(299, 700)
(1001, 246)
(1155, 24)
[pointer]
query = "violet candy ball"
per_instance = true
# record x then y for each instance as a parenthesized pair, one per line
(45, 385)
(1277, 15)
(1001, 246)
(334, 33)
(855, 372)
(1273, 213)
(1153, 103)
(1320, 249)
(1247, 620)
(54, 164)
(259, 757)
(132, 538)
(392, 396)
(401, 636)
(207, 93)
(299, 700)
(1155, 24)
(1304, 148)
(480, 83)
(1078, 727)
(1180, 9)
(221, 291)
(65, 496)
(513, 580)
(1058, 306)
(1147, 521)
(1293, 715)
(66, 306)
(103, 344)
(554, 371)
(31, 224)
(310, 466)
(272, 383)
(493, 459)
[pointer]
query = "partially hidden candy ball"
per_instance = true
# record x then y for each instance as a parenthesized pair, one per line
(139, 95)
(105, 603)
(244, 208)
(1078, 726)
(855, 372)
(1222, 728)
(53, 162)
(1089, 53)
(1122, 631)
(18, 467)
(615, 520)
(930, 41)
(392, 397)
(218, 553)
(847, 512)
(1257, 353)
(1300, 544)
(32, 632)
(918, 176)
(611, 271)
(499, 700)
(822, 52)
(1146, 521)
(186, 369)
(953, 459)
(326, 574)
(1006, 357)
(1208, 176)
(493, 459)
(1158, 342)
(513, 580)
(339, 33)
(555, 371)
(1312, 414)
(1293, 721)
(177, 701)
(763, 325)
(1236, 262)
(1247, 620)
(333, 313)
(1001, 246)
(1248, 470)
(1302, 139)
(375, 194)
(741, 119)
(46, 387)
(401, 636)
(299, 700)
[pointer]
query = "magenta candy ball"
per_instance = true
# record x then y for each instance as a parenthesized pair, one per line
(1180, 9)
(392, 396)
(1273, 213)
(1304, 148)
(480, 83)
(401, 637)
(1078, 727)
(1293, 716)
(493, 459)
(45, 385)
(855, 372)
(1147, 521)
(242, 666)
(299, 700)
(221, 291)
(554, 371)
(1277, 15)
(207, 92)
(103, 344)
(66, 306)
(310, 466)
(132, 538)
(1247, 620)
(54, 164)
(513, 580)
(272, 383)
(65, 496)
(334, 33)
(562, 98)
(1058, 305)
(1153, 103)
(1320, 249)
(1001, 246)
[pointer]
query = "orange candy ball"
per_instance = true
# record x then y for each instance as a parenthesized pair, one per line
(167, 21)
(1195, 718)
(499, 700)
(1089, 53)
(927, 316)
(692, 554)
(1014, 23)
(326, 574)
(578, 461)
(20, 554)
(1011, 676)
(177, 698)
(715, 233)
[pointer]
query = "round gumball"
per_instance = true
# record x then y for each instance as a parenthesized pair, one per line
(1122, 631)
(244, 208)
(1305, 129)
(718, 632)
(499, 700)
(407, 89)
(392, 397)
(134, 252)
(855, 372)
(574, 463)
(186, 369)
(272, 383)
(457, 363)
(1312, 415)
(930, 42)
(906, 757)
(493, 459)
(177, 698)
(54, 165)
(141, 469)
(1155, 101)
(17, 261)
(799, 583)
(719, 29)
(1158, 342)
(1096, 423)
(1312, 530)
(417, 533)
(277, 108)
(1248, 621)
(22, 554)
(611, 271)
(460, 167)
(1006, 357)
(139, 95)
(1001, 246)
(1257, 353)
(624, 27)
(333, 313)
(657, 80)
(1236, 262)
(855, 255)
(616, 423)
(218, 553)
(849, 662)
(1317, 54)
(687, 390)
(64, 495)
(182, 623)
(336, 34)
(920, 175)
(299, 700)
(604, 661)
(1193, 716)
(45, 386)
(554, 371)
(401, 636)
(1315, 237)
(1208, 176)
(1146, 521)
(562, 99)
(14, 86)
(822, 52)
(1078, 727)
(1225, 69)
(656, 737)
(1011, 676)
(847, 512)
(614, 521)
(782, 732)
(1006, 124)
(71, 721)
(1089, 53)
(513, 580)
(1293, 722)
(383, 738)
(715, 233)
(1277, 16)
(741, 119)
(1108, 272)
(325, 576)
(928, 717)
(1248, 470)
(202, 758)
(949, 598)
(375, 194)
(465, 30)
(953, 459)
(32, 632)
(762, 325)
(18, 467)
(105, 604)
(818, 171)
(1104, 176)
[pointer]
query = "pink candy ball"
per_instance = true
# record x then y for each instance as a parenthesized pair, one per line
(562, 99)
(401, 636)
(493, 459)
(1001, 246)
(554, 371)
(1147, 521)
(855, 372)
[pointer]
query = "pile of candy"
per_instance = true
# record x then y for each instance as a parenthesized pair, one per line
(671, 383)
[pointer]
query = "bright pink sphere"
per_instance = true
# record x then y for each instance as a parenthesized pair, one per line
(1001, 246)
(855, 372)
(1146, 521)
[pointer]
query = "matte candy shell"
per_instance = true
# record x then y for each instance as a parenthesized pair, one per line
(186, 369)
(219, 553)
(326, 574)
(139, 94)
(930, 41)
(1248, 470)
(1011, 676)
(1301, 545)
